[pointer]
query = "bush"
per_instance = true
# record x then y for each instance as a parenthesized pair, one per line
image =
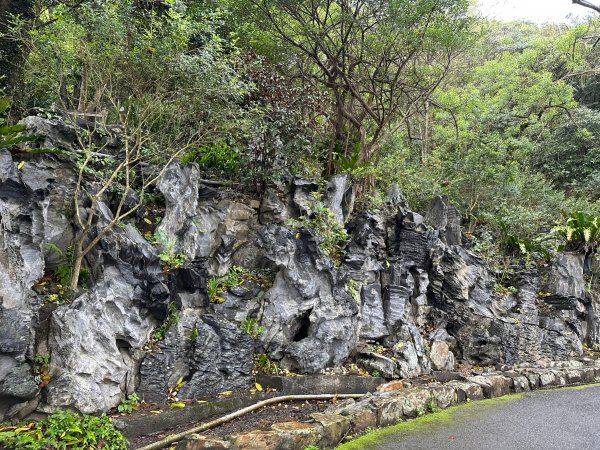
(64, 430)
(581, 232)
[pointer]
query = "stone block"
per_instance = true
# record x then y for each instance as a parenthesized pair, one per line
(334, 428)
(298, 435)
(197, 442)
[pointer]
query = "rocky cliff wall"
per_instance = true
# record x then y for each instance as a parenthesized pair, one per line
(405, 299)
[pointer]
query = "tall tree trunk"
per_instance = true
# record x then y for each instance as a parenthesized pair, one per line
(12, 53)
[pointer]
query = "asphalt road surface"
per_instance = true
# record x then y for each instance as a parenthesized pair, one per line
(559, 419)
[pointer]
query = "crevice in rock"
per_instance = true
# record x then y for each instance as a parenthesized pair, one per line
(303, 330)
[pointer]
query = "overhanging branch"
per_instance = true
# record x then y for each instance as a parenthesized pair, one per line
(587, 4)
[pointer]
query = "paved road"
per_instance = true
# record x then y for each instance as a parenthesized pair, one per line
(560, 419)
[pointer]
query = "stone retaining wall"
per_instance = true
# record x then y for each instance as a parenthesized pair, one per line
(397, 401)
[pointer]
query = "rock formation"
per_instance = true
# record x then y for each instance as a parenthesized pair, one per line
(405, 299)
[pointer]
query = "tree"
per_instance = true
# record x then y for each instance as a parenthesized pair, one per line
(12, 54)
(143, 72)
(130, 174)
(380, 60)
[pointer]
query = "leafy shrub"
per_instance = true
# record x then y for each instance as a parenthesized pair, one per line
(333, 235)
(169, 256)
(581, 232)
(64, 430)
(64, 271)
(10, 135)
(219, 156)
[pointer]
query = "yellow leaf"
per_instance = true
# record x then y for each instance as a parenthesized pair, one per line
(148, 221)
(201, 401)
(156, 411)
(258, 387)
(297, 235)
(177, 405)
(226, 393)
(20, 165)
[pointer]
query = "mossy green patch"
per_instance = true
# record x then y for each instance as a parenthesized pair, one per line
(436, 419)
(580, 387)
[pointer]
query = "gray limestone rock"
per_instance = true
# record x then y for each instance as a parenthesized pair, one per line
(372, 319)
(311, 320)
(566, 276)
(444, 217)
(19, 383)
(273, 209)
(339, 197)
(210, 353)
(221, 359)
(203, 228)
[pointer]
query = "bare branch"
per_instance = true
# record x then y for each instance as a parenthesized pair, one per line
(587, 4)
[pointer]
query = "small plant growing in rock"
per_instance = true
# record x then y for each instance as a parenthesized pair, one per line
(41, 370)
(252, 327)
(505, 291)
(129, 404)
(236, 276)
(353, 287)
(172, 318)
(264, 364)
(322, 222)
(376, 374)
(194, 336)
(169, 256)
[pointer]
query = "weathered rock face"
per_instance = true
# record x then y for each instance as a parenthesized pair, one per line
(211, 354)
(93, 341)
(204, 226)
(33, 212)
(311, 320)
(405, 299)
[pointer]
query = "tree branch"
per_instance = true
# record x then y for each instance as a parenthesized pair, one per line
(587, 4)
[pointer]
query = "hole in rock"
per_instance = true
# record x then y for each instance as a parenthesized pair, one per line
(122, 344)
(304, 322)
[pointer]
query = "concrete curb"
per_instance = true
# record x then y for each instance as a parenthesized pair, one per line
(395, 403)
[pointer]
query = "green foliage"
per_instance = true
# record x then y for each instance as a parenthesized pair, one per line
(376, 374)
(216, 286)
(569, 154)
(530, 248)
(63, 431)
(11, 135)
(264, 364)
(172, 319)
(168, 255)
(323, 224)
(64, 270)
(219, 157)
(194, 335)
(129, 404)
(252, 327)
(353, 287)
(41, 360)
(581, 232)
(505, 291)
